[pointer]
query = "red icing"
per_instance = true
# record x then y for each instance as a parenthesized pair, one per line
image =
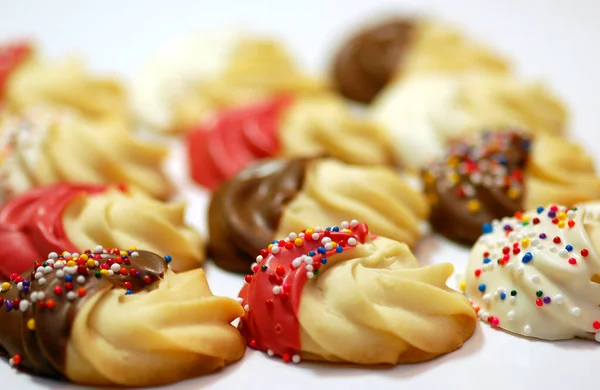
(272, 320)
(221, 147)
(10, 57)
(31, 225)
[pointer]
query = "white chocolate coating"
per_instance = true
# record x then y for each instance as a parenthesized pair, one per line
(557, 291)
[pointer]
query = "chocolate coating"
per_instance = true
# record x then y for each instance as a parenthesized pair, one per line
(43, 349)
(476, 182)
(244, 212)
(368, 60)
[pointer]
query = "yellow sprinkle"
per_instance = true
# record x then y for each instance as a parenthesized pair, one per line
(526, 218)
(562, 215)
(71, 263)
(428, 177)
(270, 246)
(452, 161)
(31, 324)
(525, 242)
(308, 232)
(124, 253)
(513, 193)
(473, 205)
(84, 257)
(5, 286)
(65, 253)
(453, 177)
(104, 272)
(298, 242)
(561, 224)
(132, 248)
(91, 263)
(333, 244)
(346, 231)
(463, 286)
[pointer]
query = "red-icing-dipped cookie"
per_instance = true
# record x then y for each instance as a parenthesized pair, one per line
(282, 126)
(113, 317)
(73, 217)
(340, 294)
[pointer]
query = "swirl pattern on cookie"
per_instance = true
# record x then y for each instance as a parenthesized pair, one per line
(340, 294)
(83, 317)
(34, 145)
(202, 74)
(496, 174)
(274, 197)
(537, 274)
(29, 80)
(424, 112)
(282, 126)
(399, 47)
(76, 216)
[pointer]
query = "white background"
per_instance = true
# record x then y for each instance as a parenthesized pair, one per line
(558, 41)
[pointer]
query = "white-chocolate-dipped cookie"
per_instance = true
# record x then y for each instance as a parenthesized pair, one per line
(44, 145)
(538, 274)
(206, 72)
(339, 294)
(422, 113)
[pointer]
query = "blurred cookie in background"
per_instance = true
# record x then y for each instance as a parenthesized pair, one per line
(207, 72)
(399, 47)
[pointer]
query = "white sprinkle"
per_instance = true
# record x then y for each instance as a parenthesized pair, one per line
(96, 263)
(71, 295)
(39, 269)
(50, 261)
(512, 236)
(292, 236)
(20, 286)
(512, 299)
(344, 225)
(527, 329)
(486, 298)
(307, 259)
(317, 229)
(496, 295)
(476, 178)
(276, 290)
(309, 268)
(66, 255)
(297, 261)
(24, 305)
(511, 315)
(52, 255)
(37, 275)
(115, 267)
(239, 300)
(60, 273)
(576, 311)
(296, 358)
(275, 249)
(553, 249)
(111, 272)
(315, 236)
(325, 240)
(270, 352)
(563, 253)
(135, 254)
(33, 296)
(259, 258)
(11, 362)
(42, 281)
(98, 249)
(252, 266)
(301, 235)
(520, 270)
(535, 241)
(47, 269)
(75, 255)
(483, 314)
(509, 266)
(597, 337)
(558, 299)
(59, 265)
(535, 278)
(354, 223)
(328, 246)
(352, 241)
(71, 270)
(81, 279)
(41, 295)
(571, 214)
(247, 307)
(310, 275)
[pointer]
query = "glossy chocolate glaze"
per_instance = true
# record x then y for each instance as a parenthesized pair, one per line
(478, 181)
(244, 212)
(42, 350)
(368, 60)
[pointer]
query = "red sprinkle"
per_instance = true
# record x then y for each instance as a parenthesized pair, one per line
(477, 272)
(556, 240)
(58, 290)
(147, 279)
(127, 285)
(536, 221)
(539, 302)
(506, 250)
(584, 252)
(571, 223)
(280, 270)
(123, 271)
(132, 271)
(248, 278)
(82, 291)
(16, 359)
(69, 286)
(572, 261)
(50, 304)
(286, 357)
(596, 325)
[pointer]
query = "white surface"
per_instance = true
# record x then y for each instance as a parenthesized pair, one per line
(556, 40)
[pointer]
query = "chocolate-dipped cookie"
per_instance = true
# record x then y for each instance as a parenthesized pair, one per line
(83, 317)
(497, 174)
(398, 47)
(274, 197)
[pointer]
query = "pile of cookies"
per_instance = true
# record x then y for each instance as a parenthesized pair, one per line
(319, 187)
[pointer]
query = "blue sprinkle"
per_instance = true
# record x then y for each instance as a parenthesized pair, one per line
(128, 292)
(527, 257)
(486, 260)
(482, 287)
(328, 228)
(323, 261)
(321, 250)
(168, 259)
(336, 229)
(487, 228)
(503, 296)
(569, 248)
(311, 253)
(540, 210)
(275, 242)
(69, 278)
(502, 160)
(339, 249)
(8, 305)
